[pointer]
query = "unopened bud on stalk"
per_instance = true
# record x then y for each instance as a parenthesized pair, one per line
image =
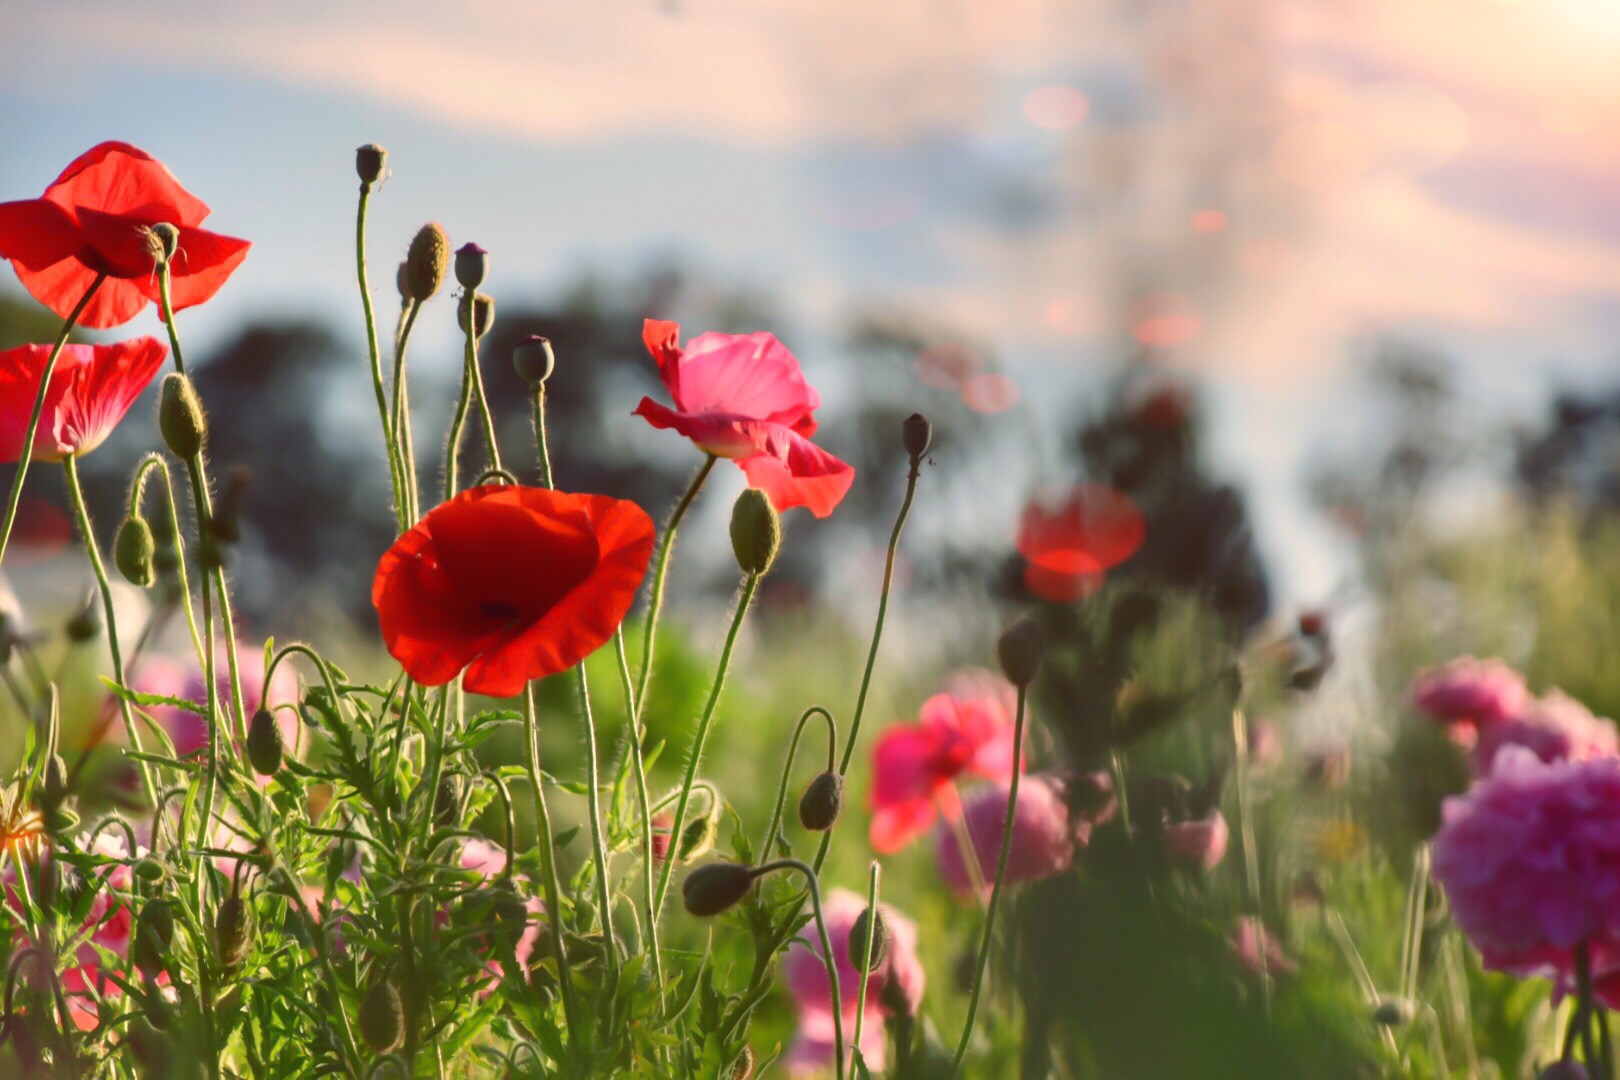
(821, 802)
(743, 1067)
(484, 306)
(153, 936)
(382, 1017)
(1021, 649)
(878, 928)
(150, 872)
(472, 266)
(427, 262)
(233, 931)
(715, 888)
(86, 622)
(180, 417)
(1393, 1012)
(133, 551)
(264, 745)
(699, 836)
(533, 359)
(917, 434)
(447, 800)
(369, 162)
(756, 532)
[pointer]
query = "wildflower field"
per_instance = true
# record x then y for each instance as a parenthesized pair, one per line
(1081, 799)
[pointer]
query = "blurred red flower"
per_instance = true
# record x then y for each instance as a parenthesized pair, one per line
(1067, 545)
(96, 219)
(509, 584)
(91, 389)
(743, 396)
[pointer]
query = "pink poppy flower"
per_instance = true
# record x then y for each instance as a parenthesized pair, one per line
(1470, 692)
(490, 860)
(815, 1042)
(1555, 728)
(1250, 941)
(92, 387)
(184, 679)
(915, 766)
(1043, 838)
(1199, 844)
(1530, 864)
(743, 397)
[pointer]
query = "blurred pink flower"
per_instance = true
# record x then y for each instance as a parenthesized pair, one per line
(1199, 844)
(184, 679)
(806, 977)
(915, 766)
(1250, 941)
(1555, 728)
(1530, 860)
(1043, 839)
(1265, 743)
(1470, 691)
(814, 1042)
(490, 860)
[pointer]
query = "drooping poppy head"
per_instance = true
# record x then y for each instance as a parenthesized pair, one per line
(1069, 543)
(96, 218)
(91, 389)
(743, 397)
(509, 584)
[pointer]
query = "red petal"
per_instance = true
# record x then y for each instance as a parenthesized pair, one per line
(1094, 528)
(61, 286)
(103, 389)
(202, 264)
(117, 178)
(722, 436)
(35, 233)
(893, 827)
(799, 473)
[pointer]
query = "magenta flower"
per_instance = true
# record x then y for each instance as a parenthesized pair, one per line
(1250, 941)
(1530, 860)
(915, 766)
(1555, 728)
(743, 397)
(1470, 692)
(1043, 838)
(490, 860)
(814, 1042)
(1199, 844)
(184, 679)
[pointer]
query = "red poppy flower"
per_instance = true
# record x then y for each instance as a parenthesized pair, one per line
(742, 396)
(510, 584)
(94, 219)
(1069, 544)
(91, 389)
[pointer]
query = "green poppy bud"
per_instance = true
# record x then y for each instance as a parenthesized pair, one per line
(447, 800)
(756, 532)
(233, 931)
(1021, 649)
(150, 871)
(472, 266)
(86, 622)
(427, 262)
(822, 800)
(382, 1017)
(133, 551)
(916, 433)
(878, 929)
(369, 162)
(716, 887)
(264, 745)
(699, 836)
(483, 305)
(153, 936)
(1393, 1012)
(533, 359)
(180, 417)
(148, 1046)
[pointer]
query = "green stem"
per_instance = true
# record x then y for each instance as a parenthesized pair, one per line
(633, 736)
(548, 861)
(540, 434)
(769, 840)
(656, 600)
(828, 961)
(400, 507)
(995, 890)
(92, 549)
(26, 454)
(404, 447)
(604, 888)
(750, 584)
(1251, 858)
(458, 421)
(866, 956)
(476, 376)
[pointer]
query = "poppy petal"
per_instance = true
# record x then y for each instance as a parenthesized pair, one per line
(715, 433)
(202, 264)
(893, 827)
(117, 178)
(748, 375)
(35, 233)
(797, 472)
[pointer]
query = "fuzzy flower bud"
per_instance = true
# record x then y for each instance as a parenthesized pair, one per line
(917, 434)
(699, 836)
(369, 162)
(472, 266)
(1393, 1012)
(233, 931)
(878, 928)
(1021, 649)
(133, 551)
(382, 1017)
(153, 936)
(264, 745)
(821, 802)
(180, 417)
(427, 262)
(533, 359)
(743, 1067)
(484, 306)
(756, 532)
(85, 624)
(715, 888)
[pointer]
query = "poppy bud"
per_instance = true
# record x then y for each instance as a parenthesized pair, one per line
(180, 417)
(264, 746)
(698, 837)
(426, 262)
(1568, 1069)
(821, 802)
(917, 433)
(1393, 1012)
(86, 622)
(162, 241)
(382, 1017)
(484, 305)
(233, 930)
(148, 1046)
(153, 936)
(743, 1067)
(369, 162)
(756, 532)
(53, 785)
(447, 800)
(472, 266)
(150, 872)
(716, 887)
(878, 928)
(1021, 649)
(133, 551)
(533, 359)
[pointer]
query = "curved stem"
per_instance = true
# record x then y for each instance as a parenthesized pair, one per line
(1251, 858)
(866, 959)
(26, 454)
(656, 600)
(787, 770)
(604, 888)
(548, 861)
(476, 375)
(995, 890)
(633, 736)
(92, 549)
(404, 447)
(827, 959)
(458, 421)
(400, 507)
(696, 754)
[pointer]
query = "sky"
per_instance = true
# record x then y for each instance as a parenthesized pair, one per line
(1257, 191)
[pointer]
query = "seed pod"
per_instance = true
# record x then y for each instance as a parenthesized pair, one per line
(369, 162)
(917, 434)
(1021, 649)
(743, 1067)
(756, 532)
(485, 307)
(162, 240)
(233, 931)
(133, 550)
(822, 800)
(153, 936)
(427, 262)
(382, 1017)
(533, 359)
(472, 266)
(264, 745)
(180, 417)
(716, 887)
(879, 929)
